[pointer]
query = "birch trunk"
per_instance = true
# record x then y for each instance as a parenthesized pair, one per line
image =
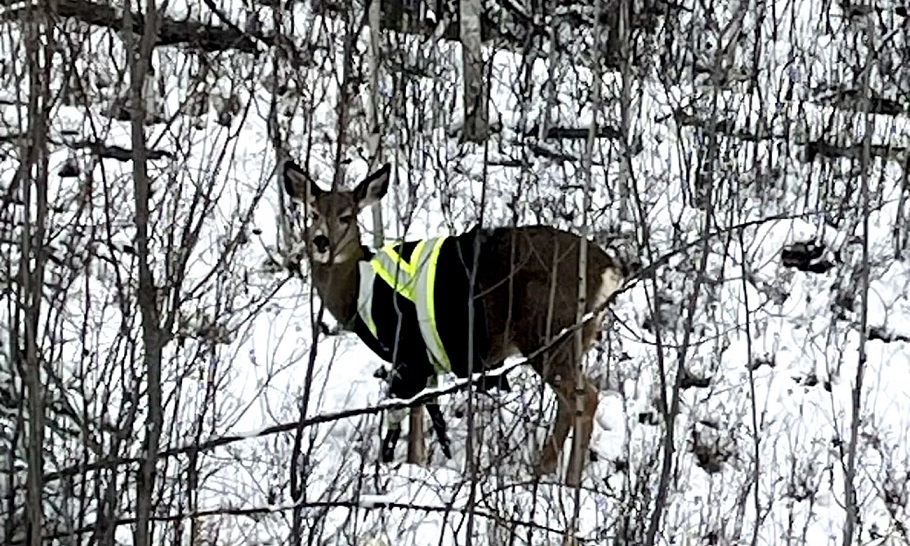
(374, 139)
(581, 309)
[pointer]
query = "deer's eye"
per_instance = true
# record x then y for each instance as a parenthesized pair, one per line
(346, 219)
(314, 216)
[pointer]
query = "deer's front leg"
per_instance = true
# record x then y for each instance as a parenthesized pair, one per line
(440, 429)
(387, 449)
(406, 381)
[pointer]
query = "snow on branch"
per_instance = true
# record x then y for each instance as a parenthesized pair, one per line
(391, 404)
(425, 395)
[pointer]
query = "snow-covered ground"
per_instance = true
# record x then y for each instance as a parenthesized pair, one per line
(780, 346)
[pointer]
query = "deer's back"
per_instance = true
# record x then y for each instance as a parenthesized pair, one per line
(526, 279)
(528, 276)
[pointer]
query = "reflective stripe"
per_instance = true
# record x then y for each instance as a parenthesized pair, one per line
(426, 309)
(395, 270)
(365, 296)
(416, 281)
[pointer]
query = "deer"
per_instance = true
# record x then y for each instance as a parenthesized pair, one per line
(513, 287)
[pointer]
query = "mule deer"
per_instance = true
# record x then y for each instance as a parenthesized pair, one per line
(525, 291)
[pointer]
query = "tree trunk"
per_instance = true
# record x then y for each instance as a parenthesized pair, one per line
(139, 59)
(374, 139)
(476, 114)
(33, 257)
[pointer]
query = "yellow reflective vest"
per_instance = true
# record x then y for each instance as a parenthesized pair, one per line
(413, 279)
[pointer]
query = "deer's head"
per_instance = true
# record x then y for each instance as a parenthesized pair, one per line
(332, 234)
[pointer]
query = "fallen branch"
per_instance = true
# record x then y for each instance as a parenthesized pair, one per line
(171, 32)
(119, 153)
(852, 99)
(726, 127)
(884, 335)
(817, 148)
(813, 148)
(574, 133)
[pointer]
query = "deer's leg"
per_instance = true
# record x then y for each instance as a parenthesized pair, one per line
(417, 447)
(583, 422)
(574, 408)
(552, 448)
(584, 398)
(439, 428)
(559, 370)
(388, 444)
(387, 447)
(410, 375)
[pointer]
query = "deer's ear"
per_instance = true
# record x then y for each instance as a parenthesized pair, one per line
(373, 188)
(298, 184)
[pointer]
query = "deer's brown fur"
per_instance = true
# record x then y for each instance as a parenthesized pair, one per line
(527, 277)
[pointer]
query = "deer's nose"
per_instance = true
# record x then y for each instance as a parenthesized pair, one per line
(321, 242)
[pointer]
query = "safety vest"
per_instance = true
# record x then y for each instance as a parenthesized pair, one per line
(413, 279)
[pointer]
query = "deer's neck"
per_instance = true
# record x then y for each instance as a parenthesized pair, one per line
(337, 285)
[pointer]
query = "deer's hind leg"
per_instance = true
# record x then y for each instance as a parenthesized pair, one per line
(559, 368)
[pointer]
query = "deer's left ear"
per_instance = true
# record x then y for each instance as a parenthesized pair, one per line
(298, 184)
(373, 188)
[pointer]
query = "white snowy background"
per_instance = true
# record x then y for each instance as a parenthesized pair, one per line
(759, 450)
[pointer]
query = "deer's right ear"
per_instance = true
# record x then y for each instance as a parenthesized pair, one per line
(298, 184)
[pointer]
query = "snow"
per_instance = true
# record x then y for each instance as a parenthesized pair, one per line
(790, 416)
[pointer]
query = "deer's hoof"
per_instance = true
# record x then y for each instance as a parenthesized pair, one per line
(388, 455)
